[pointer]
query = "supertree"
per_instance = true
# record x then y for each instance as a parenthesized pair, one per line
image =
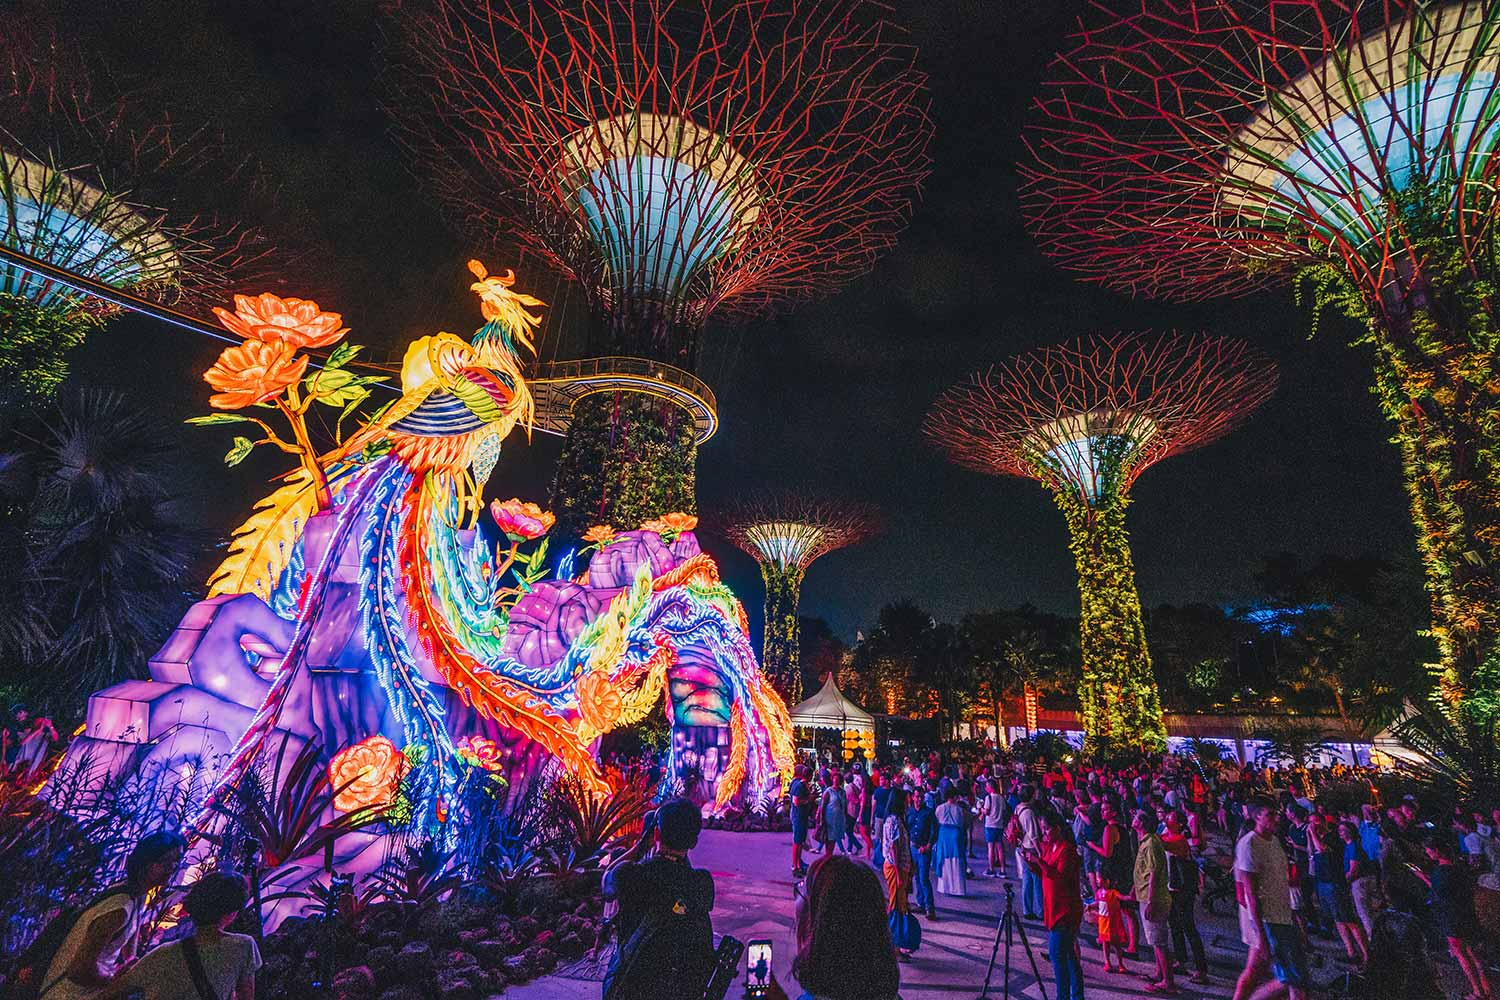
(677, 158)
(786, 532)
(1189, 148)
(92, 183)
(1084, 420)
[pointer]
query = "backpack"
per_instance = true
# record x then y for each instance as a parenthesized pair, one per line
(38, 956)
(1013, 829)
(669, 957)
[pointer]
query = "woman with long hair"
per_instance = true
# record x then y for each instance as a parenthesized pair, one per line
(844, 948)
(895, 849)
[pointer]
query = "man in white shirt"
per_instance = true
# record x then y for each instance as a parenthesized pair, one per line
(1030, 826)
(1265, 909)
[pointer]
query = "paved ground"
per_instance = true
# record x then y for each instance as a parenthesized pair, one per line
(755, 899)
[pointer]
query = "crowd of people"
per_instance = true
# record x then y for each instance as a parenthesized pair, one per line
(1132, 850)
(1129, 851)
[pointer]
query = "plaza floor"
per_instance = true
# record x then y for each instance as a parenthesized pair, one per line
(756, 899)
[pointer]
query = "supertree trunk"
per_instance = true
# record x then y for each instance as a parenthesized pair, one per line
(1119, 698)
(781, 654)
(628, 458)
(1437, 378)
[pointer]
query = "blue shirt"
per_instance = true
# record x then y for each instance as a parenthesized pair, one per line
(1369, 839)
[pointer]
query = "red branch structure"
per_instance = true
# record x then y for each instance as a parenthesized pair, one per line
(1085, 420)
(675, 157)
(1196, 148)
(1191, 148)
(114, 179)
(786, 531)
(1048, 414)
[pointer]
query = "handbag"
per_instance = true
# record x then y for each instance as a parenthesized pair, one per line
(196, 971)
(906, 932)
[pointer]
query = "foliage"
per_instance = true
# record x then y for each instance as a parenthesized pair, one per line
(1461, 753)
(1292, 742)
(1118, 695)
(1353, 629)
(627, 459)
(781, 650)
(593, 825)
(35, 341)
(417, 879)
(1044, 744)
(283, 804)
(1206, 753)
(99, 554)
(1435, 336)
(60, 851)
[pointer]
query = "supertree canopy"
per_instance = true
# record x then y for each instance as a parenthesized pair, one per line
(676, 159)
(90, 183)
(786, 532)
(1190, 148)
(1085, 420)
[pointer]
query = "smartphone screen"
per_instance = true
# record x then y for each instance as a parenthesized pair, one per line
(757, 966)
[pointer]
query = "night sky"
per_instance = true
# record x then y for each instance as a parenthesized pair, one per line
(830, 395)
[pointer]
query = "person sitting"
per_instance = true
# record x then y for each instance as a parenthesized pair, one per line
(210, 962)
(664, 933)
(106, 934)
(844, 947)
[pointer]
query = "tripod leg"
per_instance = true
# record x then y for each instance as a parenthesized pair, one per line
(989, 972)
(1040, 984)
(1010, 925)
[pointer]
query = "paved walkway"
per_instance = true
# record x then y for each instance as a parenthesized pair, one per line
(756, 899)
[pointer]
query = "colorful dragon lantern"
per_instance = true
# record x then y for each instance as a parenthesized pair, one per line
(366, 606)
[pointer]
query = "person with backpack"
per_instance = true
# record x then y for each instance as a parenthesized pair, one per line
(664, 933)
(1025, 834)
(210, 963)
(82, 951)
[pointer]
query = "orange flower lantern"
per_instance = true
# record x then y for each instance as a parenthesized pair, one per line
(599, 702)
(367, 774)
(669, 526)
(252, 372)
(481, 752)
(269, 318)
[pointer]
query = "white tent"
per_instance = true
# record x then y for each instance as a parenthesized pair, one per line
(829, 709)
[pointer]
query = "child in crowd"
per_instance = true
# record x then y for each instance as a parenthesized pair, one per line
(1111, 923)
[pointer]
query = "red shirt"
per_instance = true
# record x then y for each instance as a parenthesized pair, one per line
(1062, 904)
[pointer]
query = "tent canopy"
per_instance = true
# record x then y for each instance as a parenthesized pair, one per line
(829, 709)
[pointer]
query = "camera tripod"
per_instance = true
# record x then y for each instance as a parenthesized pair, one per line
(1008, 927)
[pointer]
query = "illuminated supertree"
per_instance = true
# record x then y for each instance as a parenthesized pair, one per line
(91, 184)
(786, 532)
(1085, 420)
(1190, 148)
(676, 158)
